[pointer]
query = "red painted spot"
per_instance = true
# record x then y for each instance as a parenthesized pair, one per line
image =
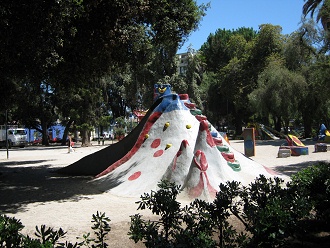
(155, 143)
(136, 175)
(158, 153)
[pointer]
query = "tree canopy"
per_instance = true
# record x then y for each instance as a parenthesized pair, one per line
(71, 45)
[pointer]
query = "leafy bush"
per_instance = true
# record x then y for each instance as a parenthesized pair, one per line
(10, 231)
(11, 236)
(176, 227)
(314, 183)
(269, 212)
(101, 227)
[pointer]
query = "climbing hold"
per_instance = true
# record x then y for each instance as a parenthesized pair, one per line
(168, 146)
(188, 126)
(235, 165)
(166, 125)
(217, 141)
(195, 112)
(223, 148)
(146, 136)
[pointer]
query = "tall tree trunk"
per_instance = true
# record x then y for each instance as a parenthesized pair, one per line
(85, 138)
(66, 131)
(307, 125)
(238, 124)
(44, 129)
(278, 125)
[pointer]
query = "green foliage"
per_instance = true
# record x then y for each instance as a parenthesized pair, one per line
(279, 92)
(224, 205)
(11, 236)
(72, 46)
(49, 235)
(228, 54)
(314, 183)
(169, 230)
(194, 225)
(269, 212)
(121, 124)
(9, 231)
(120, 121)
(217, 50)
(105, 121)
(101, 228)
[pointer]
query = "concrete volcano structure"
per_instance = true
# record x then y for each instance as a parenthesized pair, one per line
(174, 141)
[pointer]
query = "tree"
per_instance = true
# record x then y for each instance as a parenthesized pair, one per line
(78, 42)
(194, 78)
(234, 89)
(233, 73)
(317, 106)
(298, 51)
(269, 41)
(304, 53)
(322, 8)
(279, 93)
(215, 48)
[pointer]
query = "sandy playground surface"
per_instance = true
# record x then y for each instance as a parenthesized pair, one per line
(31, 191)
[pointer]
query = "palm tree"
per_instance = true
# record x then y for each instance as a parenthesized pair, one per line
(323, 11)
(311, 6)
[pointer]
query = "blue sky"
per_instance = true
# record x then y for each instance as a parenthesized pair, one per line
(234, 14)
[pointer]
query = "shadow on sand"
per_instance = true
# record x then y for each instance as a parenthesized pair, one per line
(280, 142)
(292, 169)
(26, 182)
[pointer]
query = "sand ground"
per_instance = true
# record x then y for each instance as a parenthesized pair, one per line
(31, 191)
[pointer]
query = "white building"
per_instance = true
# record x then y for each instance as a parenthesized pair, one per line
(182, 63)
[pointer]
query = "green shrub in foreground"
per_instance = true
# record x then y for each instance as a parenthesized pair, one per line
(269, 212)
(314, 183)
(177, 227)
(11, 237)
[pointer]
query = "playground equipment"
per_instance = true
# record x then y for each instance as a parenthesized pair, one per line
(176, 142)
(296, 147)
(265, 133)
(324, 134)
